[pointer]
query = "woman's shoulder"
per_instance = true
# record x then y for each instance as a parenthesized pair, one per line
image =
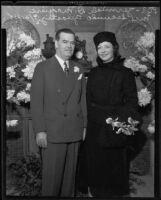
(127, 70)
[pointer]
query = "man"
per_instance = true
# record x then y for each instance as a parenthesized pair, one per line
(58, 107)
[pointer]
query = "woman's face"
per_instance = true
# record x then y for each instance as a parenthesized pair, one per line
(105, 51)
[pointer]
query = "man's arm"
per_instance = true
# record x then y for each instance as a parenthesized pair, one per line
(37, 104)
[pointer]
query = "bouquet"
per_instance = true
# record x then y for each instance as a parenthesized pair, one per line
(122, 127)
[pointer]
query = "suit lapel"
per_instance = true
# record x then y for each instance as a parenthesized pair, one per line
(64, 83)
(70, 80)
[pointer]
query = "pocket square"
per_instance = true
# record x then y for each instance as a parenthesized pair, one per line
(80, 77)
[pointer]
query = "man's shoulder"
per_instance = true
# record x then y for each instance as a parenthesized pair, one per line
(46, 62)
(77, 65)
(74, 62)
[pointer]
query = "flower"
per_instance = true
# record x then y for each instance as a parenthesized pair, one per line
(25, 56)
(28, 86)
(109, 120)
(144, 97)
(20, 42)
(143, 66)
(11, 72)
(10, 94)
(146, 41)
(25, 40)
(122, 127)
(76, 69)
(151, 127)
(23, 96)
(150, 75)
(33, 54)
(11, 123)
(29, 70)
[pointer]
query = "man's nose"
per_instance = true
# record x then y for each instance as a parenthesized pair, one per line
(69, 45)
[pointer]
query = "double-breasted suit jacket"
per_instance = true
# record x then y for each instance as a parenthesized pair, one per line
(58, 102)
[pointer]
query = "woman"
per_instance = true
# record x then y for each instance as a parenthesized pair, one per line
(111, 92)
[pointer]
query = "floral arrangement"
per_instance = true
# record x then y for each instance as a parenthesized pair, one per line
(22, 58)
(122, 127)
(143, 65)
(25, 176)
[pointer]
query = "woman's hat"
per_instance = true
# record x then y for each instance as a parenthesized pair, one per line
(104, 36)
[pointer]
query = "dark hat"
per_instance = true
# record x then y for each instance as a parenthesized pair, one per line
(104, 36)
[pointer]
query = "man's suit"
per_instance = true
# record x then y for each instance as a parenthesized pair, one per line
(58, 107)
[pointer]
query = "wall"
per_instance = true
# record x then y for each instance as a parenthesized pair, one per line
(127, 22)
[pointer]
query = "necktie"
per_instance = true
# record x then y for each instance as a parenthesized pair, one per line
(66, 70)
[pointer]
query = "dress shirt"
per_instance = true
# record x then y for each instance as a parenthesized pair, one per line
(61, 62)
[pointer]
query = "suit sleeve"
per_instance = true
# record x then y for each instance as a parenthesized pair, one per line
(37, 99)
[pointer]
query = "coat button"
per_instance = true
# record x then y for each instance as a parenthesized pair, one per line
(65, 115)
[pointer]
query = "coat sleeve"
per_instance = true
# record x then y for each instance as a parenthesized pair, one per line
(83, 101)
(130, 107)
(37, 99)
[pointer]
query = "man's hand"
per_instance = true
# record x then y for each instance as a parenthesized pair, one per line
(84, 134)
(41, 139)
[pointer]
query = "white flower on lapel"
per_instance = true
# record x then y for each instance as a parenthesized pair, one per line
(80, 77)
(76, 69)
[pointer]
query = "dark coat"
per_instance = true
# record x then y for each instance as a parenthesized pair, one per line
(58, 103)
(111, 92)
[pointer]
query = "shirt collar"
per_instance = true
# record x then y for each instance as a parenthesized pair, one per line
(61, 61)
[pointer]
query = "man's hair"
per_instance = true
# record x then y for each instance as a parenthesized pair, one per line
(64, 30)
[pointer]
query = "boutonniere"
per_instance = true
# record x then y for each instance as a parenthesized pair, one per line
(76, 69)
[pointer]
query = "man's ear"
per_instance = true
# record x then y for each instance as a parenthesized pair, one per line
(56, 44)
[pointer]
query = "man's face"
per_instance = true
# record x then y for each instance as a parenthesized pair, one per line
(65, 45)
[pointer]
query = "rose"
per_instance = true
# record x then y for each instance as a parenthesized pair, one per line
(76, 69)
